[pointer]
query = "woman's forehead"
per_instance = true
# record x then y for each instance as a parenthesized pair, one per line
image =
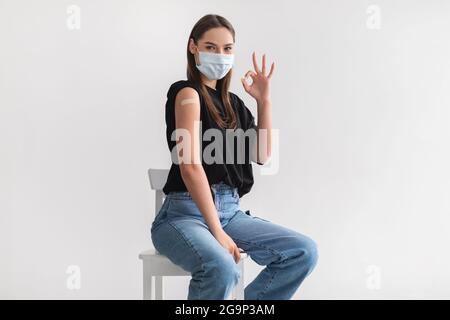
(218, 36)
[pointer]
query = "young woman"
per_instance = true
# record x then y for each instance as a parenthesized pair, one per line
(200, 225)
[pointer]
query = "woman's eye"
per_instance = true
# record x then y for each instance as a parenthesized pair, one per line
(209, 47)
(228, 49)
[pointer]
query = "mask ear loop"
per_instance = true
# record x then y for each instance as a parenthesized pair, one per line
(198, 57)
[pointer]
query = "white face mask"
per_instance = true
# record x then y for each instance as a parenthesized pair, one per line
(214, 66)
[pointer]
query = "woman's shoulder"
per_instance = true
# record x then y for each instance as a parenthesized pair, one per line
(176, 86)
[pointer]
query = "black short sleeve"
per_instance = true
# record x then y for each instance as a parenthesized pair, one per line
(176, 87)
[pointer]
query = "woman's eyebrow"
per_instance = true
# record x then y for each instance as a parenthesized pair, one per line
(208, 42)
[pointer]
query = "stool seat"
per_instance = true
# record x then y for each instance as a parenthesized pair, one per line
(162, 266)
(154, 254)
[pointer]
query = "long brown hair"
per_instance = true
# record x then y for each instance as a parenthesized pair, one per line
(206, 23)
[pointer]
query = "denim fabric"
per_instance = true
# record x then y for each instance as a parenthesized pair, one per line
(180, 232)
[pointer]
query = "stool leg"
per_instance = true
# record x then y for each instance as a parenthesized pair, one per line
(147, 277)
(159, 290)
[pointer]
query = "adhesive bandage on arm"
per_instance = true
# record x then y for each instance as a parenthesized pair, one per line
(188, 101)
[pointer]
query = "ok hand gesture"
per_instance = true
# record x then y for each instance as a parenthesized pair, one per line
(260, 87)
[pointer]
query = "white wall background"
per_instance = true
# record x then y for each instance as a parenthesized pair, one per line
(363, 116)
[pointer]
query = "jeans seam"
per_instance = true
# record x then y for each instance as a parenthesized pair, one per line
(191, 246)
(179, 197)
(270, 281)
(263, 291)
(274, 272)
(278, 253)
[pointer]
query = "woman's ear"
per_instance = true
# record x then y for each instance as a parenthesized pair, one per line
(192, 46)
(193, 50)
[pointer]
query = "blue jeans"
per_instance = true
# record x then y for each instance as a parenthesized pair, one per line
(180, 232)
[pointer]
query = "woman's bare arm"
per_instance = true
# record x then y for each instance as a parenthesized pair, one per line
(187, 117)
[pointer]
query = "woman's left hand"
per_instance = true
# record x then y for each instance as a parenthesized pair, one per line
(260, 88)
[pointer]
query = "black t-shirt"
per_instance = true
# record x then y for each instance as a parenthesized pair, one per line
(235, 174)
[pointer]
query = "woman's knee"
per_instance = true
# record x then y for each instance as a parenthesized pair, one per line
(312, 252)
(306, 250)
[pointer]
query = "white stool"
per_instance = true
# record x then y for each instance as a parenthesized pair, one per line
(159, 266)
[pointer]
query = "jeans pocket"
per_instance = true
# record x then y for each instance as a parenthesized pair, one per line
(247, 212)
(261, 219)
(161, 214)
(155, 224)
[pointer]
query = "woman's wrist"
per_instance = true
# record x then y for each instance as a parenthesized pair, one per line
(264, 101)
(216, 230)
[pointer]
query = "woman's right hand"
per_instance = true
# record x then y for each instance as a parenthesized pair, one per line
(228, 243)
